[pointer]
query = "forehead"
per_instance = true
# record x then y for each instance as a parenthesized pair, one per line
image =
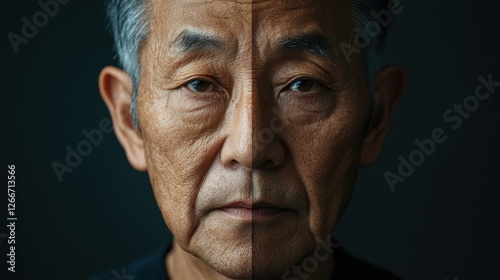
(251, 21)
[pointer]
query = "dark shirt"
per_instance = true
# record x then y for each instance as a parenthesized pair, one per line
(153, 267)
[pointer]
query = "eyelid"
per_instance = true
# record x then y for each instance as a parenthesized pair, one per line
(186, 81)
(220, 91)
(191, 85)
(290, 82)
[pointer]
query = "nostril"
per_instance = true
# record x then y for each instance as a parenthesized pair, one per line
(233, 163)
(269, 164)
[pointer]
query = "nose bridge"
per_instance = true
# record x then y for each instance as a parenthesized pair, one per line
(251, 118)
(260, 115)
(267, 149)
(244, 122)
(237, 148)
(250, 142)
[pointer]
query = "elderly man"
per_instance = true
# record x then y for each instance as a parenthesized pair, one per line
(251, 119)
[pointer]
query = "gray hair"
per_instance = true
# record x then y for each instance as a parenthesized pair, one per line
(129, 24)
(361, 18)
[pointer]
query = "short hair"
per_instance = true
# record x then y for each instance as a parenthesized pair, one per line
(130, 26)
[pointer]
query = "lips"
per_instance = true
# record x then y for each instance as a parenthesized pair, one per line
(253, 211)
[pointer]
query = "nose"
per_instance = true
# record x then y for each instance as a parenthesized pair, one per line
(253, 139)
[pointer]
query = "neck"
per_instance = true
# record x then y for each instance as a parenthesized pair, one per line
(311, 269)
(182, 265)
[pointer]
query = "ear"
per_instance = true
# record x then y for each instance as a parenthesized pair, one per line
(116, 91)
(390, 84)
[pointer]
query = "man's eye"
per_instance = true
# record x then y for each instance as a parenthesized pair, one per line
(201, 86)
(303, 85)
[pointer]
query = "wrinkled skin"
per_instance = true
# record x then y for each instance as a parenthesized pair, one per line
(252, 150)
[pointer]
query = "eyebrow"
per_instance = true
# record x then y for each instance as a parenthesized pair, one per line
(193, 41)
(313, 43)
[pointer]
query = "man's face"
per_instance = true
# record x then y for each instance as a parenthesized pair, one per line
(253, 125)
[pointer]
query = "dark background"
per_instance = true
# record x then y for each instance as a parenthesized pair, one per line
(443, 222)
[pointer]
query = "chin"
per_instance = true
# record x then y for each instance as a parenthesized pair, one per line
(233, 268)
(231, 260)
(237, 273)
(252, 269)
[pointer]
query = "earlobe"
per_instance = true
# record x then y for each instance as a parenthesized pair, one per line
(390, 84)
(116, 90)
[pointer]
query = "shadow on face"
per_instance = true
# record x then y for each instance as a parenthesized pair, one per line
(253, 127)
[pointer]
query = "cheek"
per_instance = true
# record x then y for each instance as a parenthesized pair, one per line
(179, 154)
(326, 157)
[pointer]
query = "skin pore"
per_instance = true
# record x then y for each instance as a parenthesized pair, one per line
(253, 128)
